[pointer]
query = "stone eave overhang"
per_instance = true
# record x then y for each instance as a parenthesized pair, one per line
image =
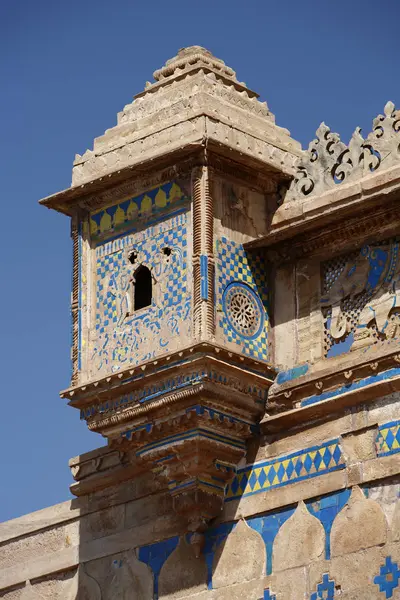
(120, 382)
(342, 217)
(187, 155)
(67, 201)
(333, 385)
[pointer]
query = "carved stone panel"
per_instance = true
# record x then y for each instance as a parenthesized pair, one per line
(361, 298)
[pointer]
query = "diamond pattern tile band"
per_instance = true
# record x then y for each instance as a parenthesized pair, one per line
(278, 472)
(388, 439)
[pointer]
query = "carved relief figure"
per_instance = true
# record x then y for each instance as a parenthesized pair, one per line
(369, 286)
(142, 301)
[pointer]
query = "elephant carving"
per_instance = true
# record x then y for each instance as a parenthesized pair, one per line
(374, 273)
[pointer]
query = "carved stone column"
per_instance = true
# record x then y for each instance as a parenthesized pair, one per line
(203, 254)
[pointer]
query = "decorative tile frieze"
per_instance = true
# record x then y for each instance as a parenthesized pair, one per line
(326, 510)
(143, 210)
(388, 439)
(285, 470)
(155, 555)
(352, 381)
(352, 386)
(268, 595)
(147, 393)
(389, 577)
(197, 434)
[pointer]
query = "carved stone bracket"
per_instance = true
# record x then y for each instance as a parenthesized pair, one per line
(187, 422)
(195, 454)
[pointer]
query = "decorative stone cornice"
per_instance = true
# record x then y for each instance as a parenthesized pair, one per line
(187, 416)
(309, 392)
(329, 162)
(335, 221)
(339, 192)
(116, 383)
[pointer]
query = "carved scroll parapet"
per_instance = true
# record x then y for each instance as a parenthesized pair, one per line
(328, 162)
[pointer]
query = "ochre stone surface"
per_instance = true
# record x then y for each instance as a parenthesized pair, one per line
(300, 541)
(360, 525)
(240, 558)
(182, 573)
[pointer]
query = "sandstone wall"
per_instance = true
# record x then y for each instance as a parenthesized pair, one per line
(314, 513)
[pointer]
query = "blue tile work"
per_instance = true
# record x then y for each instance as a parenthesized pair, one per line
(146, 208)
(121, 332)
(388, 439)
(236, 266)
(155, 556)
(353, 288)
(291, 374)
(356, 385)
(204, 276)
(388, 578)
(326, 509)
(284, 470)
(197, 432)
(268, 527)
(325, 589)
(179, 382)
(268, 595)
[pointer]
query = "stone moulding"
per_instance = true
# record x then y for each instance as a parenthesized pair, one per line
(115, 384)
(203, 126)
(193, 56)
(186, 417)
(136, 179)
(324, 224)
(347, 381)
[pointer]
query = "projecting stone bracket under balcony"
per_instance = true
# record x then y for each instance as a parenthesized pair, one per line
(187, 419)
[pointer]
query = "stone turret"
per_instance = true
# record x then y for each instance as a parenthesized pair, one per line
(171, 352)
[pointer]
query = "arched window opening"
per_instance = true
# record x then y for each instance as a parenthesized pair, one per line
(143, 288)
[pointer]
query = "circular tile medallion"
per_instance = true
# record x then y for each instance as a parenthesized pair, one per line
(243, 309)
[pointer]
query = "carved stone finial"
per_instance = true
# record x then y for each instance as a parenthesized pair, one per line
(193, 55)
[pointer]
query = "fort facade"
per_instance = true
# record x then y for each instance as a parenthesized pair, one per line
(235, 338)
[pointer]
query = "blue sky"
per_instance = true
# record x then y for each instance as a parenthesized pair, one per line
(66, 69)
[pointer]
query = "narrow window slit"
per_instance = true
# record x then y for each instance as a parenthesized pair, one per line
(143, 288)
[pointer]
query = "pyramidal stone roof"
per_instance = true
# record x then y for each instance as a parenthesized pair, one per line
(195, 100)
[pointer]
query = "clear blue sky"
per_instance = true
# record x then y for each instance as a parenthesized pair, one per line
(66, 69)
